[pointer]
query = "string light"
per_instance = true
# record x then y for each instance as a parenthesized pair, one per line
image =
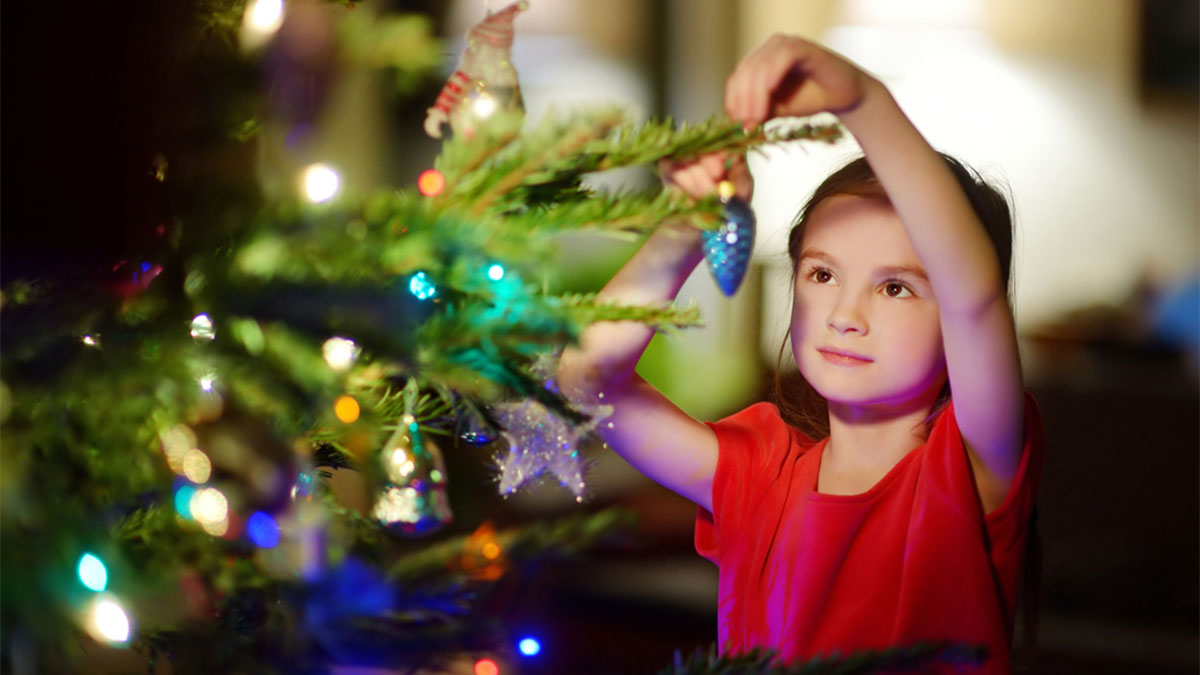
(420, 286)
(261, 20)
(431, 182)
(206, 382)
(263, 530)
(486, 667)
(91, 340)
(92, 572)
(346, 409)
(495, 272)
(183, 501)
(210, 508)
(196, 466)
(529, 646)
(202, 328)
(108, 621)
(321, 183)
(339, 352)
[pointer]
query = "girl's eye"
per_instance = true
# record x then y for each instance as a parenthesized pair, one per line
(821, 276)
(895, 289)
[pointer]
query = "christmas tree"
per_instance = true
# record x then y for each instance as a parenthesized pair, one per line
(169, 431)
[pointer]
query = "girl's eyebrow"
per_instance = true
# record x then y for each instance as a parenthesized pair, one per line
(887, 271)
(895, 270)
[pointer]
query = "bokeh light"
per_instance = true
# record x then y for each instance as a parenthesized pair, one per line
(183, 500)
(196, 466)
(176, 441)
(321, 183)
(529, 646)
(495, 272)
(490, 550)
(108, 621)
(90, 340)
(431, 182)
(264, 16)
(346, 408)
(210, 508)
(202, 328)
(486, 667)
(262, 530)
(339, 352)
(92, 572)
(420, 286)
(206, 382)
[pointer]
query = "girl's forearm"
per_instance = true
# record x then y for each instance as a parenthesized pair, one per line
(947, 235)
(608, 351)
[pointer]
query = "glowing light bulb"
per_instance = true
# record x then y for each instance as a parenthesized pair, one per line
(339, 352)
(495, 272)
(206, 382)
(491, 550)
(210, 508)
(263, 530)
(92, 572)
(529, 646)
(420, 286)
(90, 340)
(431, 182)
(265, 16)
(202, 328)
(196, 466)
(346, 409)
(261, 20)
(486, 667)
(183, 501)
(108, 621)
(321, 183)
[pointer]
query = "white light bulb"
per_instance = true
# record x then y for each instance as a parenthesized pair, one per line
(321, 183)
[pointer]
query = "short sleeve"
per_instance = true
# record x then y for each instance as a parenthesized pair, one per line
(751, 446)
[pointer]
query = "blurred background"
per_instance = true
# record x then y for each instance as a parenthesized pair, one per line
(1086, 109)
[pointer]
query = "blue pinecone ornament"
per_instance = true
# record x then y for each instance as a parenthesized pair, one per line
(727, 248)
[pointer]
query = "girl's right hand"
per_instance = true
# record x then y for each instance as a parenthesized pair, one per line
(698, 177)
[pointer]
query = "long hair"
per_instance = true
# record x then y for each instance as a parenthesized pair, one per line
(804, 408)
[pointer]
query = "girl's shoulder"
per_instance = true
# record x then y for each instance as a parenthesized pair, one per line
(760, 426)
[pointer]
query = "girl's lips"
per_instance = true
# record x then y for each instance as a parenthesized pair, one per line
(841, 358)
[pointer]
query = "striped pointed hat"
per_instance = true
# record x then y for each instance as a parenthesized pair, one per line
(495, 30)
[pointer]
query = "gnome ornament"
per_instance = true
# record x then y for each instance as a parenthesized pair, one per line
(485, 81)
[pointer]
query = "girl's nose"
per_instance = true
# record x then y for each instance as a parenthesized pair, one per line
(847, 317)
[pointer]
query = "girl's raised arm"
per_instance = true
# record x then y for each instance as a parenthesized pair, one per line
(645, 428)
(791, 76)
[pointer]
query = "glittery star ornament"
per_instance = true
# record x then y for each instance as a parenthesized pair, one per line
(727, 248)
(485, 80)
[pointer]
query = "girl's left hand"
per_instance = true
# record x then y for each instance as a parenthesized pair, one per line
(789, 77)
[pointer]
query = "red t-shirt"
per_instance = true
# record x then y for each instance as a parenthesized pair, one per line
(913, 559)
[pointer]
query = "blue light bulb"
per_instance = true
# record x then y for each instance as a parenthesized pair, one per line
(93, 573)
(529, 646)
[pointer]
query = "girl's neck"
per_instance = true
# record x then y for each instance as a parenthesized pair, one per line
(876, 435)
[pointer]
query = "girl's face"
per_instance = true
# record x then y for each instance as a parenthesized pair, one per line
(865, 328)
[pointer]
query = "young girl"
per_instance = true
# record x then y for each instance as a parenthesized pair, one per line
(907, 522)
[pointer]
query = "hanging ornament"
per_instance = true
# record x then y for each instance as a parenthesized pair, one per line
(540, 442)
(411, 483)
(727, 248)
(473, 428)
(485, 81)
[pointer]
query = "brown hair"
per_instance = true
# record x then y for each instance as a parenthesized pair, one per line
(800, 404)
